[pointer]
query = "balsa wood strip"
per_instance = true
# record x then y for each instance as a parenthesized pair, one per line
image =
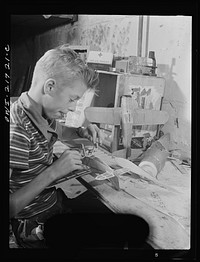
(112, 116)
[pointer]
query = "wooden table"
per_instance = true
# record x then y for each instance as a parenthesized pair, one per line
(166, 212)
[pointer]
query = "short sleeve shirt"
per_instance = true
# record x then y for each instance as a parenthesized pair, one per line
(31, 151)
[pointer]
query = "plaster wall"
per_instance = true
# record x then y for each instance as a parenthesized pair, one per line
(108, 33)
(170, 38)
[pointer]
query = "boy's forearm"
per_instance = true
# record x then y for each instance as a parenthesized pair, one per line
(23, 196)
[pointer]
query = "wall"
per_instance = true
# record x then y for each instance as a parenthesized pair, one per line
(116, 34)
(169, 37)
(108, 33)
(173, 54)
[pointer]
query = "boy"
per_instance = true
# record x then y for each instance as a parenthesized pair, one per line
(60, 78)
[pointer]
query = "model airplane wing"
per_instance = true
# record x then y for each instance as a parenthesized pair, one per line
(113, 116)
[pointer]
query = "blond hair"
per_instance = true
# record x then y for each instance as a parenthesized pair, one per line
(64, 63)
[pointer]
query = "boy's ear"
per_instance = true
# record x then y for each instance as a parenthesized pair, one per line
(50, 86)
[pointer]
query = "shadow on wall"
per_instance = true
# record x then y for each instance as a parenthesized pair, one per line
(173, 92)
(175, 104)
(22, 65)
(55, 37)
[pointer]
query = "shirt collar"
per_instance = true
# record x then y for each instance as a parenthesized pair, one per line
(33, 110)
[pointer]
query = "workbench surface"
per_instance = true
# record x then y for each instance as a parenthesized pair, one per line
(166, 210)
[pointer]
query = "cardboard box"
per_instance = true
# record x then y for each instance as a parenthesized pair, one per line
(100, 60)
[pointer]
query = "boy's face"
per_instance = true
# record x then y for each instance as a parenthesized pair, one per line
(63, 99)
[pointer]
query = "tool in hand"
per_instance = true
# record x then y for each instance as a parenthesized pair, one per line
(98, 165)
(89, 160)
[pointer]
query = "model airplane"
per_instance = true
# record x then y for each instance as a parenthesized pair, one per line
(126, 116)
